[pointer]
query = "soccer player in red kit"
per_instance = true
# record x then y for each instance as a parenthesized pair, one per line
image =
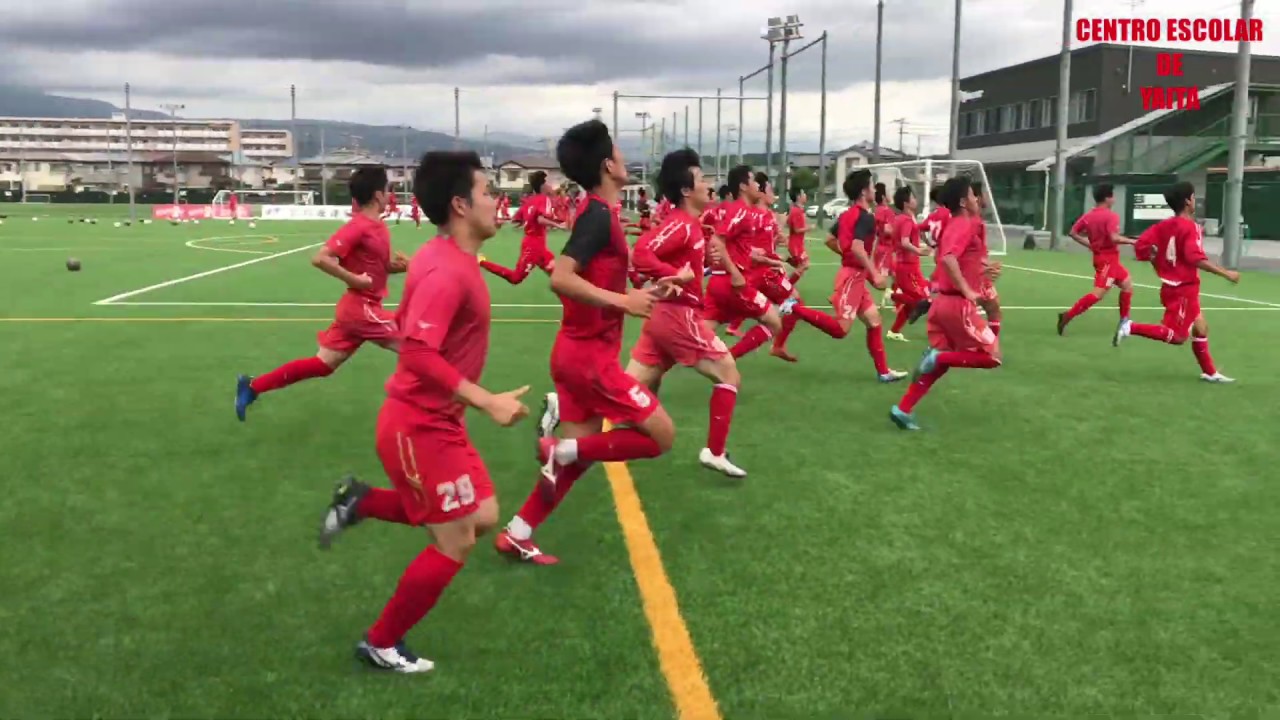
(414, 212)
(359, 254)
(797, 226)
(438, 479)
(988, 297)
(538, 213)
(676, 332)
(958, 335)
(1175, 248)
(851, 237)
(884, 246)
(1099, 231)
(393, 207)
(909, 285)
(643, 210)
(590, 277)
(934, 224)
(233, 204)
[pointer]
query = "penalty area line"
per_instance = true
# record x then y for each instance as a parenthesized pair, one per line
(114, 299)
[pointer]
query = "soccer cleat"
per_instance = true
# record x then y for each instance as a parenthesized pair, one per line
(787, 306)
(904, 420)
(480, 258)
(1216, 378)
(892, 376)
(522, 550)
(342, 509)
(397, 659)
(918, 311)
(546, 455)
(782, 354)
(244, 395)
(887, 300)
(720, 463)
(1122, 332)
(928, 362)
(1062, 322)
(896, 336)
(550, 419)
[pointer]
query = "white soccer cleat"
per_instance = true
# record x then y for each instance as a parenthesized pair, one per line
(896, 336)
(550, 419)
(397, 659)
(1122, 331)
(893, 376)
(720, 463)
(1216, 378)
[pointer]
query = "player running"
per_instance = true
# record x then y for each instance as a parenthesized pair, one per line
(934, 223)
(358, 254)
(882, 250)
(988, 297)
(676, 332)
(797, 227)
(1175, 248)
(851, 237)
(537, 213)
(590, 277)
(958, 335)
(393, 208)
(438, 478)
(909, 285)
(414, 212)
(1099, 231)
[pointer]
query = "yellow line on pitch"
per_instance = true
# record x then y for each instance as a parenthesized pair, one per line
(533, 321)
(676, 655)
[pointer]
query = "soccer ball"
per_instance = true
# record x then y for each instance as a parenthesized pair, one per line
(73, 265)
(33, 219)
(195, 222)
(253, 225)
(117, 224)
(233, 222)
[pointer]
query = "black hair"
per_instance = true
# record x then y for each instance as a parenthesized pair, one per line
(442, 176)
(881, 191)
(977, 187)
(901, 196)
(643, 191)
(724, 192)
(856, 183)
(935, 195)
(676, 174)
(582, 152)
(738, 176)
(954, 191)
(795, 194)
(537, 179)
(1102, 192)
(762, 179)
(365, 182)
(1178, 195)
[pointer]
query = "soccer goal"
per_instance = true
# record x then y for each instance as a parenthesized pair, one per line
(37, 198)
(922, 176)
(267, 197)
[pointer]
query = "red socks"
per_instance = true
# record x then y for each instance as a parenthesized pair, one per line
(788, 326)
(875, 346)
(754, 338)
(918, 389)
(1159, 333)
(617, 445)
(538, 507)
(419, 589)
(1200, 347)
(967, 359)
(824, 322)
(382, 504)
(723, 400)
(515, 277)
(900, 317)
(1082, 305)
(995, 327)
(1126, 302)
(290, 373)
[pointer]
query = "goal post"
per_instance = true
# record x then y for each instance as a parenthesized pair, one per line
(266, 197)
(37, 198)
(922, 176)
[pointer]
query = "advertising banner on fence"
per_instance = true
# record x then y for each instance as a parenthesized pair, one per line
(317, 212)
(199, 212)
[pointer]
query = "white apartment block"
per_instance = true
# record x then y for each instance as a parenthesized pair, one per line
(41, 136)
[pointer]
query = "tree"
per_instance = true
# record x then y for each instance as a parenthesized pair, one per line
(804, 179)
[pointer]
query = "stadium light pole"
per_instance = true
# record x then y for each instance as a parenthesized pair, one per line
(686, 126)
(128, 148)
(952, 148)
(790, 31)
(643, 117)
(404, 157)
(742, 79)
(772, 35)
(1232, 241)
(324, 170)
(173, 109)
(1060, 143)
(875, 141)
(822, 132)
(718, 173)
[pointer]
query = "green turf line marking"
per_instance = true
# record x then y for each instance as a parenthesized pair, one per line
(188, 278)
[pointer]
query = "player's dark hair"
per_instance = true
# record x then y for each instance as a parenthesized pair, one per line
(724, 192)
(537, 179)
(977, 187)
(856, 183)
(442, 176)
(582, 152)
(881, 191)
(901, 196)
(365, 182)
(644, 192)
(795, 194)
(762, 179)
(935, 194)
(954, 191)
(676, 174)
(1178, 195)
(1103, 192)
(738, 176)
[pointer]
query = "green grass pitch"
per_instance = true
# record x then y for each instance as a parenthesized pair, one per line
(1087, 530)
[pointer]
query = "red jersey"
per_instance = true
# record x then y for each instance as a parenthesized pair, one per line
(905, 228)
(1100, 225)
(520, 211)
(664, 207)
(766, 234)
(677, 242)
(363, 245)
(233, 202)
(883, 217)
(710, 216)
(796, 224)
(738, 226)
(937, 222)
(444, 311)
(537, 206)
(599, 246)
(393, 204)
(853, 225)
(1176, 247)
(413, 205)
(962, 241)
(560, 209)
(642, 207)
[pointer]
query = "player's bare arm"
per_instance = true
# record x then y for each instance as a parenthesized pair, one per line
(399, 263)
(566, 281)
(1230, 276)
(1081, 239)
(859, 254)
(328, 262)
(505, 408)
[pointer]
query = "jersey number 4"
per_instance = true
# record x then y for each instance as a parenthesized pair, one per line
(1171, 251)
(457, 494)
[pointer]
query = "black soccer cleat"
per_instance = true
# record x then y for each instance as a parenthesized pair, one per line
(918, 311)
(342, 509)
(1062, 323)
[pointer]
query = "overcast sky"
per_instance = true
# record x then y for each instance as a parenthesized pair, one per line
(535, 71)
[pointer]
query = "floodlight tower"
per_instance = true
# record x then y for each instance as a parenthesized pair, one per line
(780, 30)
(643, 117)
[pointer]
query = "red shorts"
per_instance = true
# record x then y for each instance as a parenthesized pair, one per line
(725, 304)
(432, 464)
(1181, 307)
(796, 249)
(534, 254)
(881, 259)
(356, 321)
(676, 335)
(909, 281)
(851, 297)
(591, 384)
(1108, 272)
(954, 324)
(773, 284)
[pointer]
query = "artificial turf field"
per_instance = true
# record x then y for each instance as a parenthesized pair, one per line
(1087, 530)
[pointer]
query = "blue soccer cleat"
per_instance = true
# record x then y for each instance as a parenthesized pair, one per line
(928, 363)
(904, 420)
(244, 395)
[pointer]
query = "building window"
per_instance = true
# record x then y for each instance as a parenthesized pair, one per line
(1051, 111)
(1021, 116)
(992, 124)
(1082, 106)
(1035, 113)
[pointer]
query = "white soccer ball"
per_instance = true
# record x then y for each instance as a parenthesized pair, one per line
(33, 219)
(196, 222)
(233, 222)
(117, 224)
(253, 225)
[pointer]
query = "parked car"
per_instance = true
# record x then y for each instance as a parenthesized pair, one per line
(831, 209)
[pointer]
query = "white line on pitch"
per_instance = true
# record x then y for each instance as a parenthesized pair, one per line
(114, 299)
(527, 306)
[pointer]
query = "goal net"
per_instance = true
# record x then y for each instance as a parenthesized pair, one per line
(37, 198)
(922, 176)
(267, 197)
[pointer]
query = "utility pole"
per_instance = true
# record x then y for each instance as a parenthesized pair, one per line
(1232, 242)
(875, 142)
(902, 125)
(768, 122)
(457, 118)
(1060, 159)
(128, 148)
(404, 157)
(718, 174)
(293, 130)
(822, 132)
(324, 170)
(173, 109)
(955, 87)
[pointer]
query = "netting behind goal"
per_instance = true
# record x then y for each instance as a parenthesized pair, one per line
(922, 176)
(37, 198)
(267, 197)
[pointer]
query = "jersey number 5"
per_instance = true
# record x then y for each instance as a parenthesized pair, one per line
(457, 494)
